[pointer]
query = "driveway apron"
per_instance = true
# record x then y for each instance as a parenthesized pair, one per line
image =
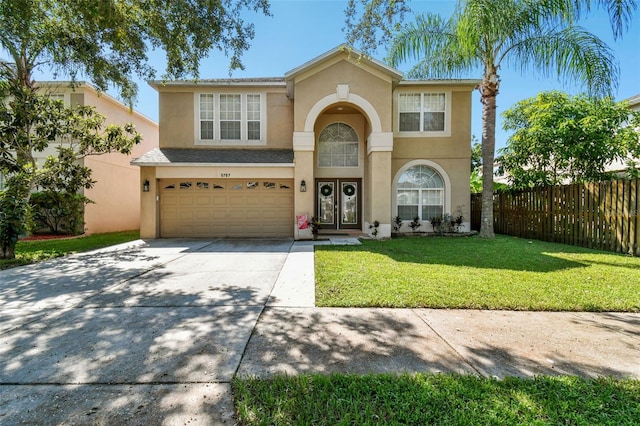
(149, 332)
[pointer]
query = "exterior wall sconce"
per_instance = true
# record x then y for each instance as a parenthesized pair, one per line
(303, 186)
(145, 186)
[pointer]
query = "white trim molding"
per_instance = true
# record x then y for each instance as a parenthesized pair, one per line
(368, 109)
(304, 141)
(380, 141)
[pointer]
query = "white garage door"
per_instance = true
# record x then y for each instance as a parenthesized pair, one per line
(226, 208)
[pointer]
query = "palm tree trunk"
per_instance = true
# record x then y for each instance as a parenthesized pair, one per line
(488, 91)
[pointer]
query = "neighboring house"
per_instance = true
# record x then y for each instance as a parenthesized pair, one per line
(634, 102)
(116, 193)
(340, 137)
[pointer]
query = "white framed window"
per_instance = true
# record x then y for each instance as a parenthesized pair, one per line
(338, 146)
(230, 119)
(424, 113)
(420, 193)
(206, 116)
(254, 108)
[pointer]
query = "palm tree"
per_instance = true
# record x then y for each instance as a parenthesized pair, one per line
(487, 35)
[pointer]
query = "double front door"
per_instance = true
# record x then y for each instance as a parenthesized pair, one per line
(338, 203)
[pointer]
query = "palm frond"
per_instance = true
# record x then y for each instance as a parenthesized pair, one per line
(620, 14)
(434, 44)
(573, 54)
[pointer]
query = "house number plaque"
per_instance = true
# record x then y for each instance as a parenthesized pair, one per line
(226, 175)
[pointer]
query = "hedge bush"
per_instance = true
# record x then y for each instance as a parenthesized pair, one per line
(58, 212)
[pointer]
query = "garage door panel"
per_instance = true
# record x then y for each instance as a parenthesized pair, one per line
(218, 215)
(233, 208)
(170, 200)
(219, 200)
(203, 200)
(236, 200)
(203, 215)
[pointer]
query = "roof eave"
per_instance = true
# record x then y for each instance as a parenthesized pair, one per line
(433, 82)
(166, 164)
(275, 82)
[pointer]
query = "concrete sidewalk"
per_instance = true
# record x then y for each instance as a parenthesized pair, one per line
(153, 332)
(487, 343)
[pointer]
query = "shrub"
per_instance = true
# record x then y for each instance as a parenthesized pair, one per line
(58, 212)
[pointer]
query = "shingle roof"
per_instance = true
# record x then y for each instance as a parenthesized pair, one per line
(175, 156)
(250, 81)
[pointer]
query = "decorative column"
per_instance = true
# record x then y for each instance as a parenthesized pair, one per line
(379, 149)
(303, 202)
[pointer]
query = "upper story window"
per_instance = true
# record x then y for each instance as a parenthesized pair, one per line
(424, 113)
(230, 119)
(206, 116)
(338, 146)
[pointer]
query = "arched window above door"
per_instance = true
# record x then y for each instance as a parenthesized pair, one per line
(338, 146)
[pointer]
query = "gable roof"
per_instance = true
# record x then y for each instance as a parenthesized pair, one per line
(243, 82)
(351, 52)
(342, 50)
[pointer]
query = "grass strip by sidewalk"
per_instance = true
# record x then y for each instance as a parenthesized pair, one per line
(28, 252)
(473, 273)
(443, 399)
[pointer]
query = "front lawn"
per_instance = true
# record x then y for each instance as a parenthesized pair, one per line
(443, 399)
(35, 251)
(469, 272)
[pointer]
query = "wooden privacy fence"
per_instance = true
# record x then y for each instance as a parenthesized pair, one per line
(602, 215)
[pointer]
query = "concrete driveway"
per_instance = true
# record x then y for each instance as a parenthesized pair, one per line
(142, 333)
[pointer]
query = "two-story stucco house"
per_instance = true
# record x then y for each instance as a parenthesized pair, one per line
(116, 194)
(340, 137)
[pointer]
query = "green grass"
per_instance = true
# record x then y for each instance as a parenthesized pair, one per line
(444, 399)
(470, 272)
(35, 251)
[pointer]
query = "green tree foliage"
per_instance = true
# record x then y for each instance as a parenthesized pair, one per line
(58, 212)
(29, 123)
(476, 153)
(14, 213)
(483, 36)
(567, 139)
(475, 181)
(108, 40)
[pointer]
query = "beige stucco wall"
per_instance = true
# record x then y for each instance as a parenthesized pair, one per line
(451, 153)
(379, 187)
(303, 201)
(279, 121)
(314, 85)
(176, 118)
(149, 204)
(179, 108)
(116, 193)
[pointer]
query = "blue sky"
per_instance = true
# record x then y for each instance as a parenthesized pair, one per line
(300, 30)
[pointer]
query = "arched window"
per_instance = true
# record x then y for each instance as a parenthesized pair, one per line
(338, 146)
(420, 193)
